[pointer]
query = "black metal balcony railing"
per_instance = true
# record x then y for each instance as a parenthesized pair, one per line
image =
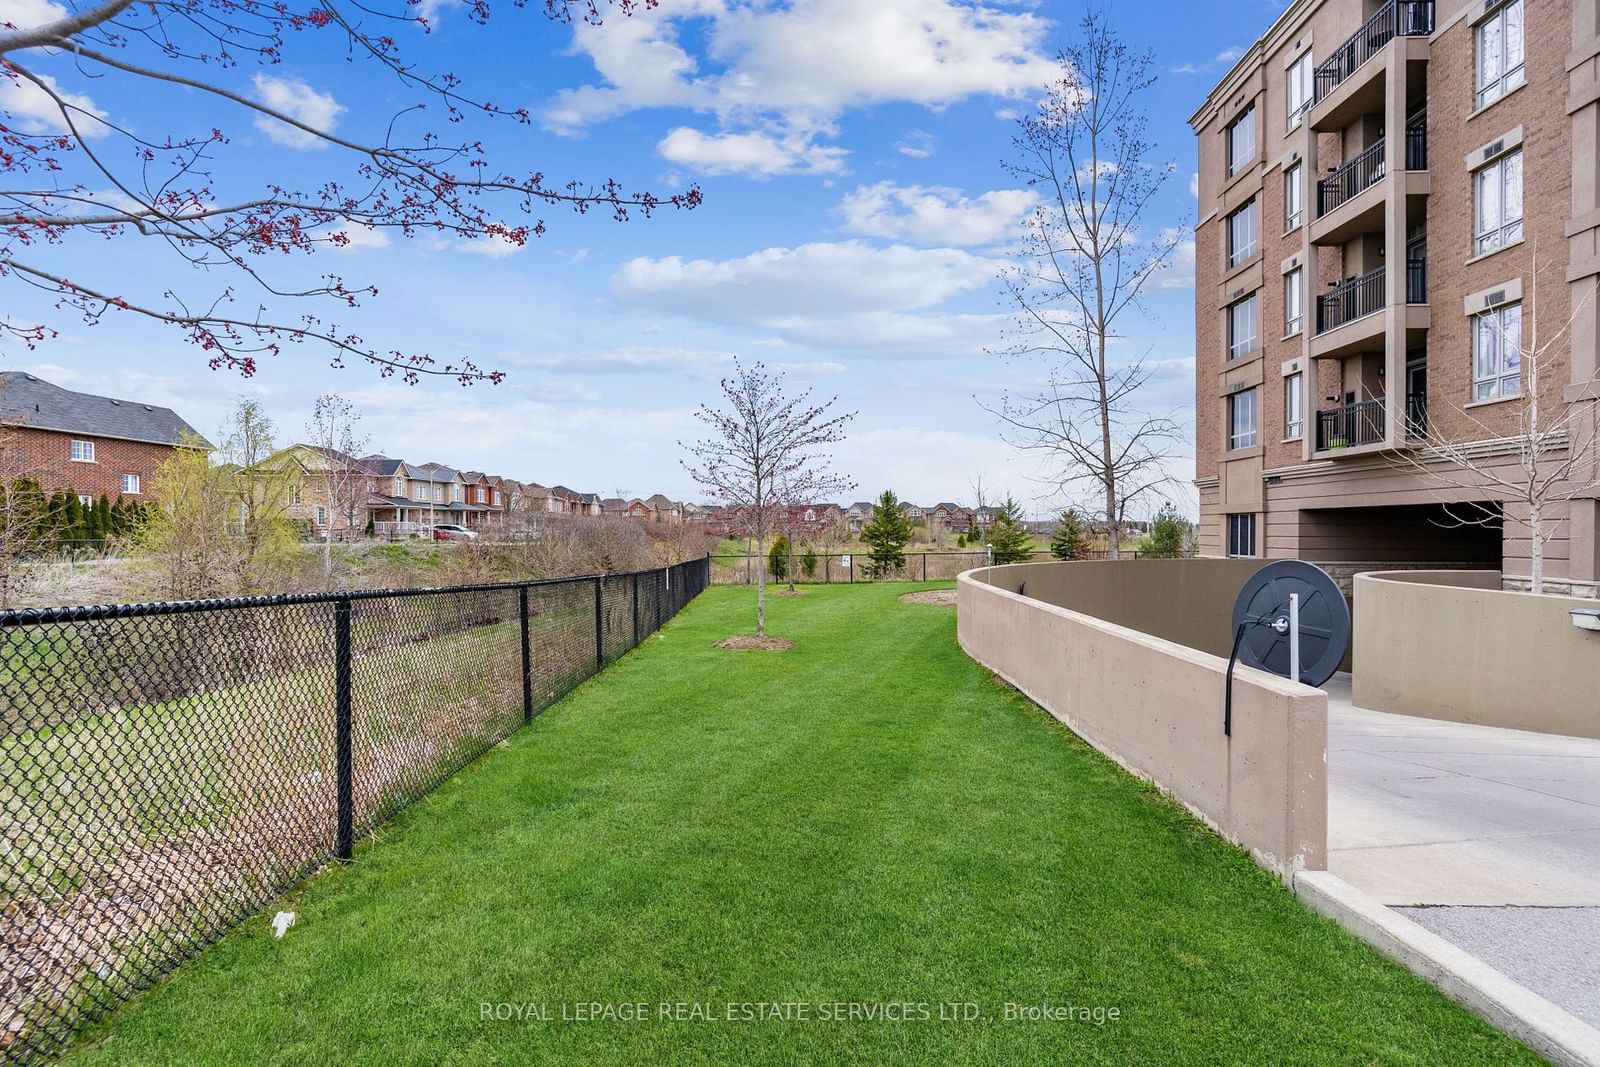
(1350, 300)
(1417, 142)
(1416, 414)
(1352, 177)
(1416, 277)
(1398, 18)
(1350, 425)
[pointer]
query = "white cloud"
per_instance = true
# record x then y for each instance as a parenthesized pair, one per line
(26, 14)
(358, 237)
(918, 144)
(31, 110)
(1179, 272)
(489, 247)
(796, 68)
(934, 214)
(848, 295)
(755, 154)
(299, 101)
(646, 359)
(1194, 185)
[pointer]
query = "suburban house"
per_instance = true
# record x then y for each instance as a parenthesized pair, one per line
(857, 515)
(393, 508)
(95, 445)
(484, 498)
(664, 510)
(328, 490)
(1337, 395)
(950, 518)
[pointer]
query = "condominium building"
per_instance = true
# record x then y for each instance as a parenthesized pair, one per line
(1384, 189)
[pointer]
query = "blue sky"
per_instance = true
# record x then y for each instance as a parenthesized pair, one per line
(855, 217)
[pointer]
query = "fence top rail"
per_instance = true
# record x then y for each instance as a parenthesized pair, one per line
(16, 618)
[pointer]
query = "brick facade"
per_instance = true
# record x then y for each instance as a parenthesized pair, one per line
(46, 456)
(1309, 498)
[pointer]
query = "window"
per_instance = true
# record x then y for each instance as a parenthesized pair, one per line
(322, 516)
(83, 451)
(1242, 141)
(1497, 353)
(1299, 89)
(1294, 199)
(438, 494)
(1242, 419)
(1242, 234)
(1499, 211)
(399, 487)
(292, 491)
(130, 485)
(1500, 53)
(494, 497)
(86, 500)
(1242, 327)
(1294, 302)
(1294, 406)
(1241, 535)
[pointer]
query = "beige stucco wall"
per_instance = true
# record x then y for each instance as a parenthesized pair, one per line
(1155, 705)
(1453, 645)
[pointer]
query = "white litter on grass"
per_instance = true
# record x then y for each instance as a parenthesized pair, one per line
(281, 922)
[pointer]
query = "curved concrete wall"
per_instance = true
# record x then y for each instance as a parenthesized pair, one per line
(1453, 645)
(1155, 705)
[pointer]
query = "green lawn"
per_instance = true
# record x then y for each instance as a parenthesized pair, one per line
(869, 818)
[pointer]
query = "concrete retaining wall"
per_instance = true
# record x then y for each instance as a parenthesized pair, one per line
(1154, 704)
(1453, 645)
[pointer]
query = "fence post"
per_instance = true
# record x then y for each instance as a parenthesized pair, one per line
(344, 831)
(599, 626)
(527, 660)
(924, 566)
(635, 609)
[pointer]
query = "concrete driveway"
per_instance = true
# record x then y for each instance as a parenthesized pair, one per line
(1488, 837)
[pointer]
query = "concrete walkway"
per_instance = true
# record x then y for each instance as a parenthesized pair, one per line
(1490, 838)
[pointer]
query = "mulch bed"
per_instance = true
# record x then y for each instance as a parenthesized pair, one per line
(941, 597)
(766, 644)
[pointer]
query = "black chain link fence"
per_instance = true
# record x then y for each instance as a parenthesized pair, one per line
(168, 769)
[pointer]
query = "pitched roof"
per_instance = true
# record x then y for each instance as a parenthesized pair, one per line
(26, 400)
(437, 472)
(382, 466)
(658, 502)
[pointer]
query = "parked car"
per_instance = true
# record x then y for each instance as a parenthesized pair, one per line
(446, 531)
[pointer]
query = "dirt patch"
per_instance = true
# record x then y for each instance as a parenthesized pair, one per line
(766, 644)
(942, 597)
(791, 592)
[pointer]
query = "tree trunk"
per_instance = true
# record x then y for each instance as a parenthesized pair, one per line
(761, 580)
(1536, 552)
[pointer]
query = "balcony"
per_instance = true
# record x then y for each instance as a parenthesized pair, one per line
(1416, 276)
(1398, 18)
(1351, 426)
(1417, 141)
(1352, 178)
(1355, 298)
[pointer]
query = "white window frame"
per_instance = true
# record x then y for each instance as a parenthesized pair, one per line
(86, 499)
(399, 487)
(1494, 376)
(1241, 526)
(1506, 229)
(1294, 197)
(1243, 407)
(1247, 214)
(1241, 154)
(1298, 88)
(1294, 406)
(322, 515)
(131, 485)
(82, 451)
(1239, 347)
(1294, 302)
(1511, 73)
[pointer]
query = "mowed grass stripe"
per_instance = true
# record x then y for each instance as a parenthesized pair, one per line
(867, 817)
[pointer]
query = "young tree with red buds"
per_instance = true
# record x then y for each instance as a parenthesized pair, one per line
(71, 175)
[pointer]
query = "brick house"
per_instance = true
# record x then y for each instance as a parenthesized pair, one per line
(94, 445)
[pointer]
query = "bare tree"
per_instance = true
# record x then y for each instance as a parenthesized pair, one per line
(1553, 458)
(263, 491)
(343, 479)
(231, 204)
(1084, 264)
(764, 448)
